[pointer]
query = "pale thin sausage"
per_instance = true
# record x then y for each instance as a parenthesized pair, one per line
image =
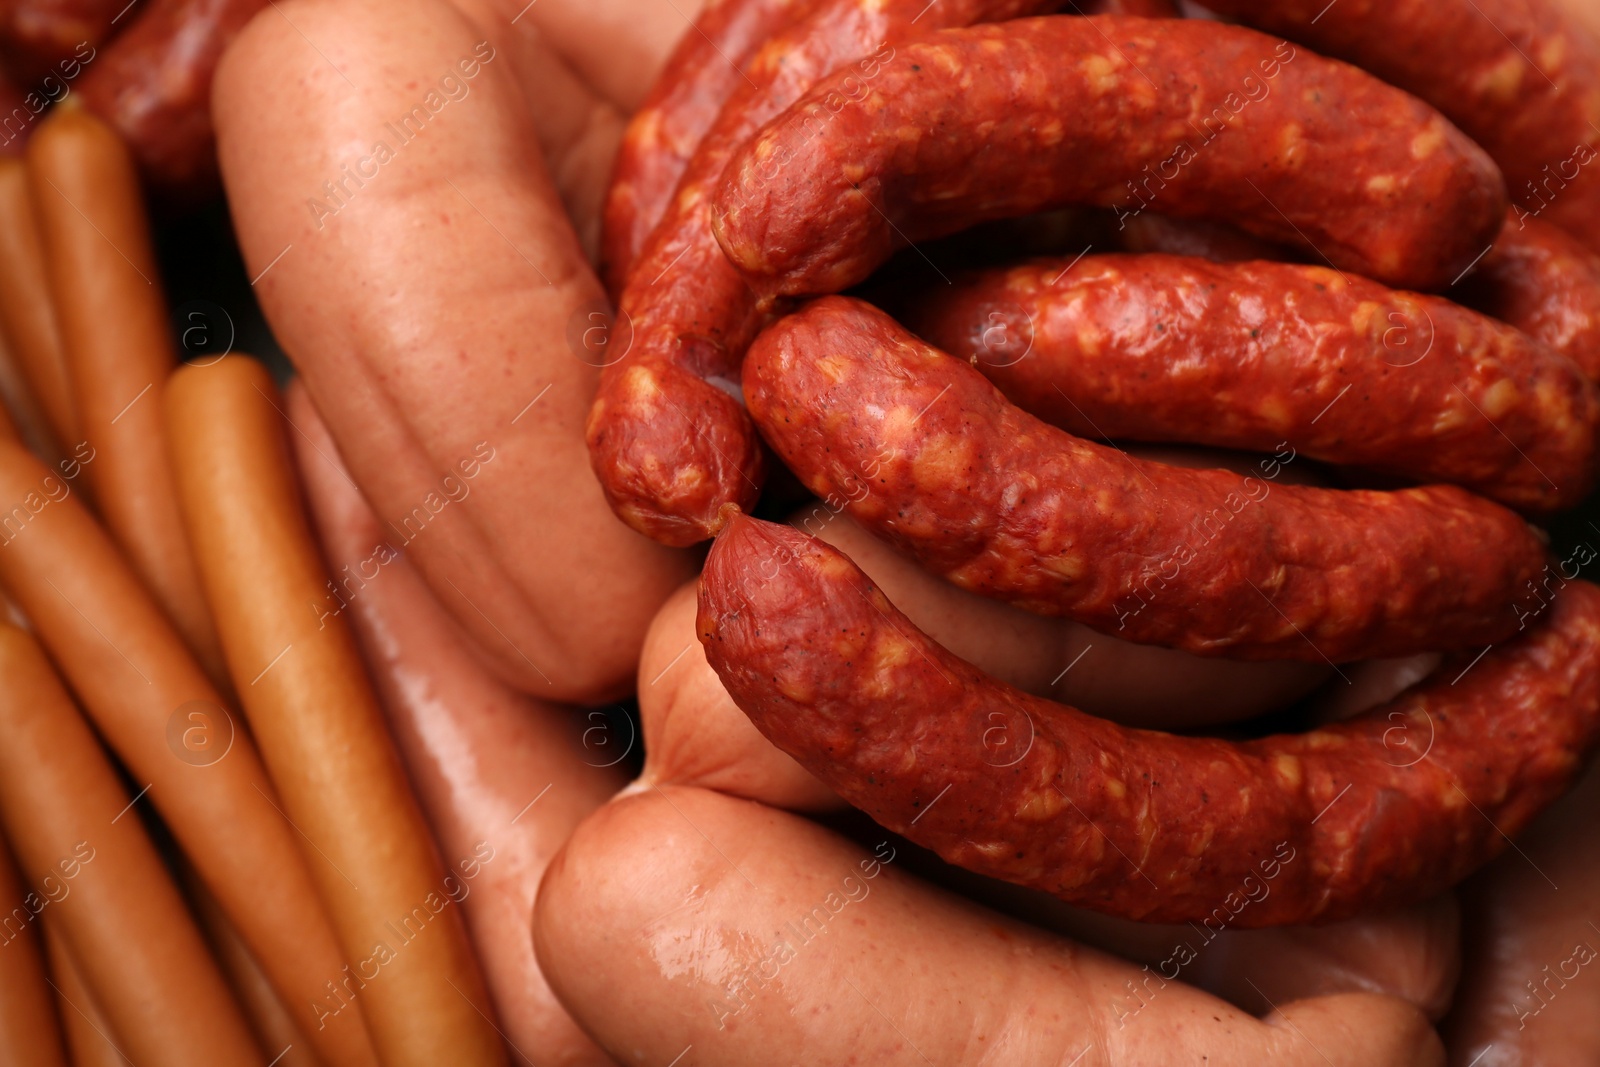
(317, 720)
(166, 721)
(119, 912)
(113, 318)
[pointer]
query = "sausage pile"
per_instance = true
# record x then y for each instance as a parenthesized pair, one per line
(1344, 245)
(161, 575)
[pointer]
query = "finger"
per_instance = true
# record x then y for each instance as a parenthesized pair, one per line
(498, 773)
(1529, 994)
(740, 929)
(447, 379)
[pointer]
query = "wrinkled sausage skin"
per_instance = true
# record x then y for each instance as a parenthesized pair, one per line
(925, 453)
(989, 122)
(1380, 810)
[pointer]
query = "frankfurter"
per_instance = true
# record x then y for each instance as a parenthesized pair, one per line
(667, 438)
(313, 712)
(1150, 9)
(30, 1030)
(171, 728)
(88, 1033)
(454, 459)
(27, 314)
(1260, 356)
(153, 86)
(274, 1028)
(699, 76)
(122, 918)
(1328, 158)
(20, 416)
(1354, 816)
(578, 130)
(106, 290)
(501, 777)
(1584, 14)
(823, 946)
(1517, 76)
(924, 452)
(8, 426)
(1546, 284)
(616, 46)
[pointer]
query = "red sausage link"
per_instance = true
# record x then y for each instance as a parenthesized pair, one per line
(990, 122)
(1259, 356)
(925, 453)
(1546, 284)
(35, 35)
(668, 439)
(154, 85)
(661, 138)
(1381, 810)
(1518, 76)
